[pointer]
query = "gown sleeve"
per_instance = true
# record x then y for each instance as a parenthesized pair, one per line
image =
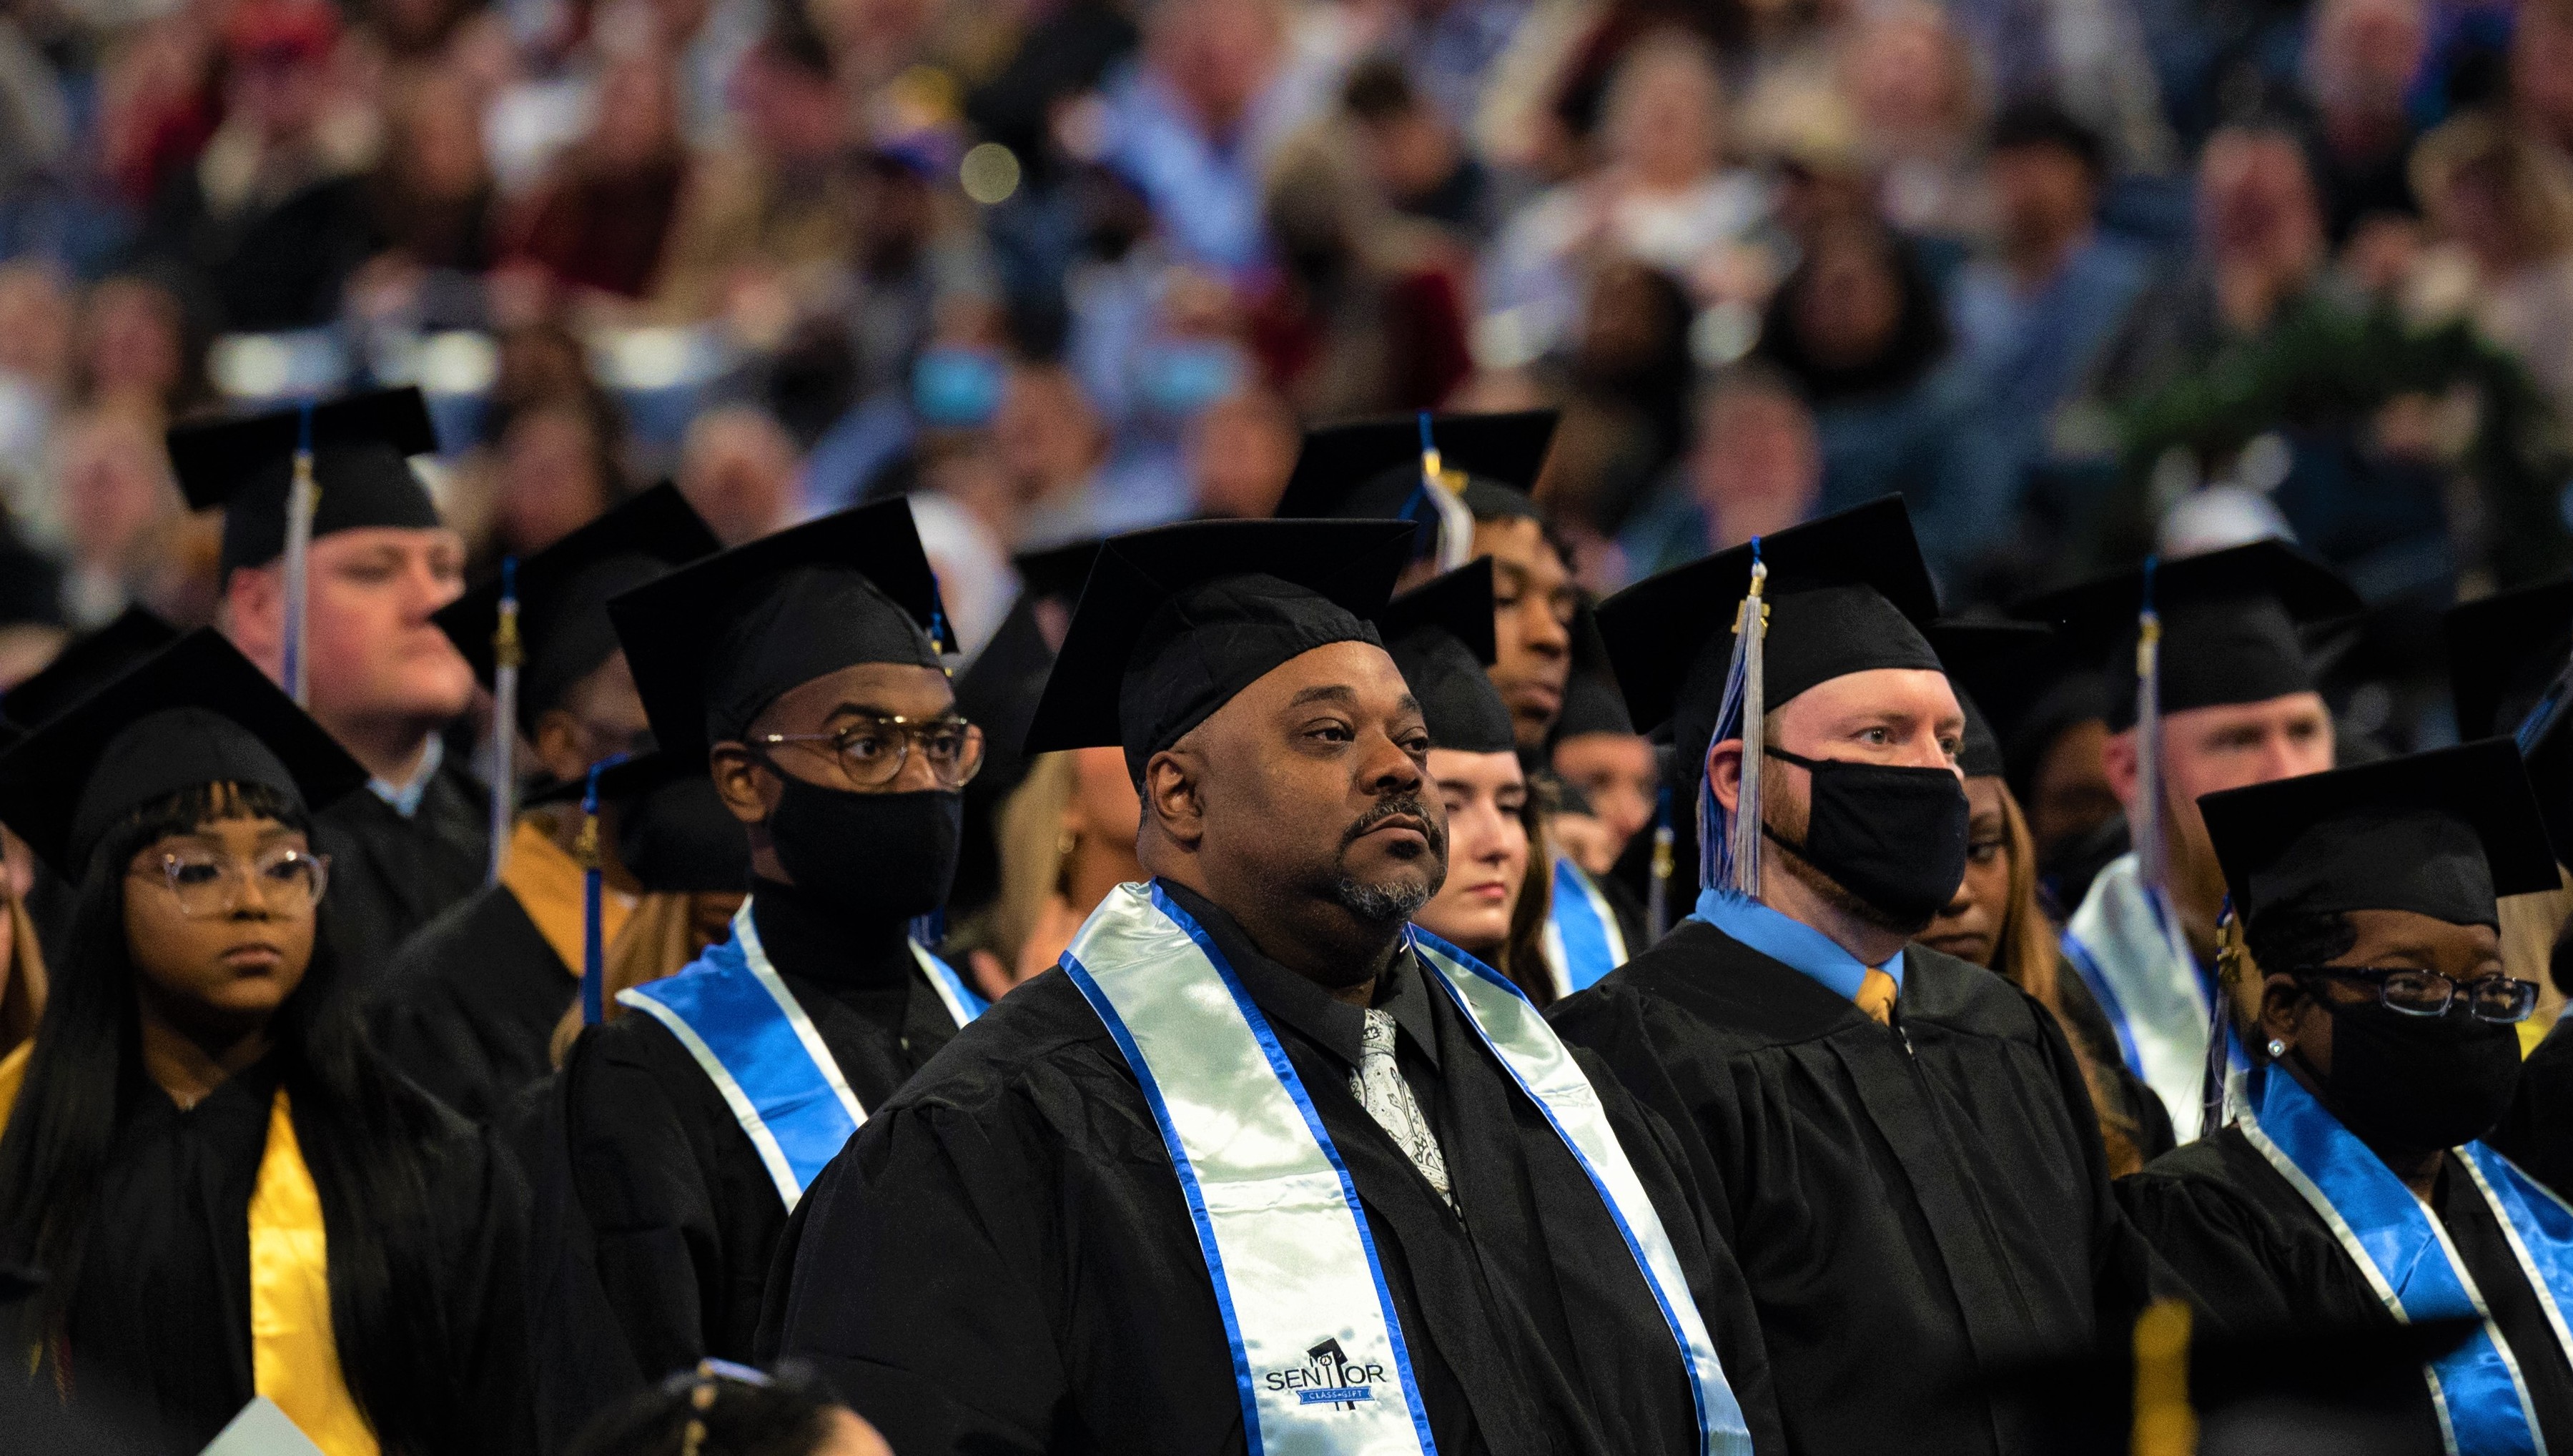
(635, 1172)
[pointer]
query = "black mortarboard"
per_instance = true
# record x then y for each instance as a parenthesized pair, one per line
(564, 592)
(1370, 470)
(1983, 659)
(1846, 593)
(1178, 619)
(1441, 634)
(2440, 834)
(2233, 625)
(85, 664)
(197, 712)
(715, 642)
(673, 833)
(361, 445)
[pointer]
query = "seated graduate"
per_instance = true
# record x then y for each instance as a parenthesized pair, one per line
(804, 669)
(1208, 1186)
(471, 1001)
(1607, 786)
(227, 1195)
(1996, 922)
(2387, 1041)
(1898, 1144)
(1439, 636)
(358, 649)
(2507, 656)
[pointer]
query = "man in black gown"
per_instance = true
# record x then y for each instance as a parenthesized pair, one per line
(2352, 1191)
(472, 1000)
(1004, 1258)
(376, 670)
(803, 668)
(1898, 1145)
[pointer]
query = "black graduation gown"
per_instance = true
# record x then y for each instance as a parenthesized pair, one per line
(390, 875)
(2538, 1134)
(682, 1212)
(159, 1320)
(1914, 1208)
(1002, 1260)
(470, 1007)
(2260, 1259)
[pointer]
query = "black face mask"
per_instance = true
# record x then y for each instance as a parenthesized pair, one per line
(880, 857)
(2415, 1083)
(1893, 837)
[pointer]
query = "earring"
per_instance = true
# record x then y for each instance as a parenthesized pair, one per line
(2277, 1049)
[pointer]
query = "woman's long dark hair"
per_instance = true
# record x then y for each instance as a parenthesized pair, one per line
(372, 1142)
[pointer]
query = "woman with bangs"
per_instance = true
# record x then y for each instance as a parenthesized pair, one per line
(225, 1194)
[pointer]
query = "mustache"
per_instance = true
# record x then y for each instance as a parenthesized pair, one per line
(1412, 804)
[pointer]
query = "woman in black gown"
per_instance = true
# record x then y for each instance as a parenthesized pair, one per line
(225, 1195)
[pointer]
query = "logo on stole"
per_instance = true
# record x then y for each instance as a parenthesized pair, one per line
(1327, 1377)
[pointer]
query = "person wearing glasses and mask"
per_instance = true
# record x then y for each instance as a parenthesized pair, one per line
(227, 1196)
(803, 670)
(2384, 1040)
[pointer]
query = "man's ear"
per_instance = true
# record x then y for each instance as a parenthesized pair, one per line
(748, 788)
(2281, 1002)
(558, 743)
(1171, 801)
(2121, 764)
(1724, 772)
(254, 615)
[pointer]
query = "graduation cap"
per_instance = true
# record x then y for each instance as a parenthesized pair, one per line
(197, 712)
(1846, 593)
(2510, 667)
(287, 475)
(1982, 658)
(1441, 634)
(713, 643)
(1381, 470)
(1178, 619)
(2440, 834)
(85, 664)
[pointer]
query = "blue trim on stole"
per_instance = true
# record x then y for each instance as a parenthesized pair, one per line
(1286, 1073)
(1588, 953)
(2087, 967)
(962, 994)
(2480, 1394)
(742, 1024)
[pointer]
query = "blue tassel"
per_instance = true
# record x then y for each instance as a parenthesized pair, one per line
(594, 948)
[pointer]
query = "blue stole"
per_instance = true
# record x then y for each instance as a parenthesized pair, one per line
(752, 1040)
(2399, 1244)
(1582, 941)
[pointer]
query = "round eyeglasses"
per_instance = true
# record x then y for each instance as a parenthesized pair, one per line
(211, 885)
(873, 749)
(2495, 997)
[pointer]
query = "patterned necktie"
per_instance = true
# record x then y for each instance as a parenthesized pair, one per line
(1379, 1085)
(1876, 996)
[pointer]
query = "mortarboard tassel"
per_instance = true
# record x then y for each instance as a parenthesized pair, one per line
(1455, 522)
(2231, 957)
(508, 652)
(594, 947)
(2165, 1423)
(2148, 824)
(303, 499)
(1731, 858)
(1657, 892)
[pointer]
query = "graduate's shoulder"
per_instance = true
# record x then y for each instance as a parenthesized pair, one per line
(2219, 1180)
(1966, 998)
(1703, 987)
(464, 948)
(1043, 1037)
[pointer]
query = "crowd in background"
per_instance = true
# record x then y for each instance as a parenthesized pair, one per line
(2081, 279)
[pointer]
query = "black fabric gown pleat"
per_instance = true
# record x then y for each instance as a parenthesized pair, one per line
(469, 1008)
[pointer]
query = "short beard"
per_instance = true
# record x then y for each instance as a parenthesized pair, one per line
(1805, 873)
(1391, 903)
(1380, 903)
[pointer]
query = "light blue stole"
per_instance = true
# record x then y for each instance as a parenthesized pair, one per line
(1582, 941)
(1319, 1355)
(2399, 1244)
(737, 1017)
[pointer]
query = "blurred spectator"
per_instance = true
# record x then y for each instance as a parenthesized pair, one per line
(2360, 62)
(1661, 197)
(35, 119)
(1239, 452)
(1755, 468)
(133, 350)
(269, 223)
(1619, 782)
(35, 374)
(157, 103)
(432, 192)
(2031, 317)
(602, 220)
(1052, 447)
(1366, 314)
(737, 468)
(1626, 417)
(111, 481)
(2503, 207)
(2541, 71)
(1911, 79)
(1414, 150)
(555, 471)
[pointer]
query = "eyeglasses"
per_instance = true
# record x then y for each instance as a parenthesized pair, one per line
(2494, 998)
(873, 750)
(210, 885)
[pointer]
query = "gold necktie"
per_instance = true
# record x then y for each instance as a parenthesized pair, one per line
(1876, 996)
